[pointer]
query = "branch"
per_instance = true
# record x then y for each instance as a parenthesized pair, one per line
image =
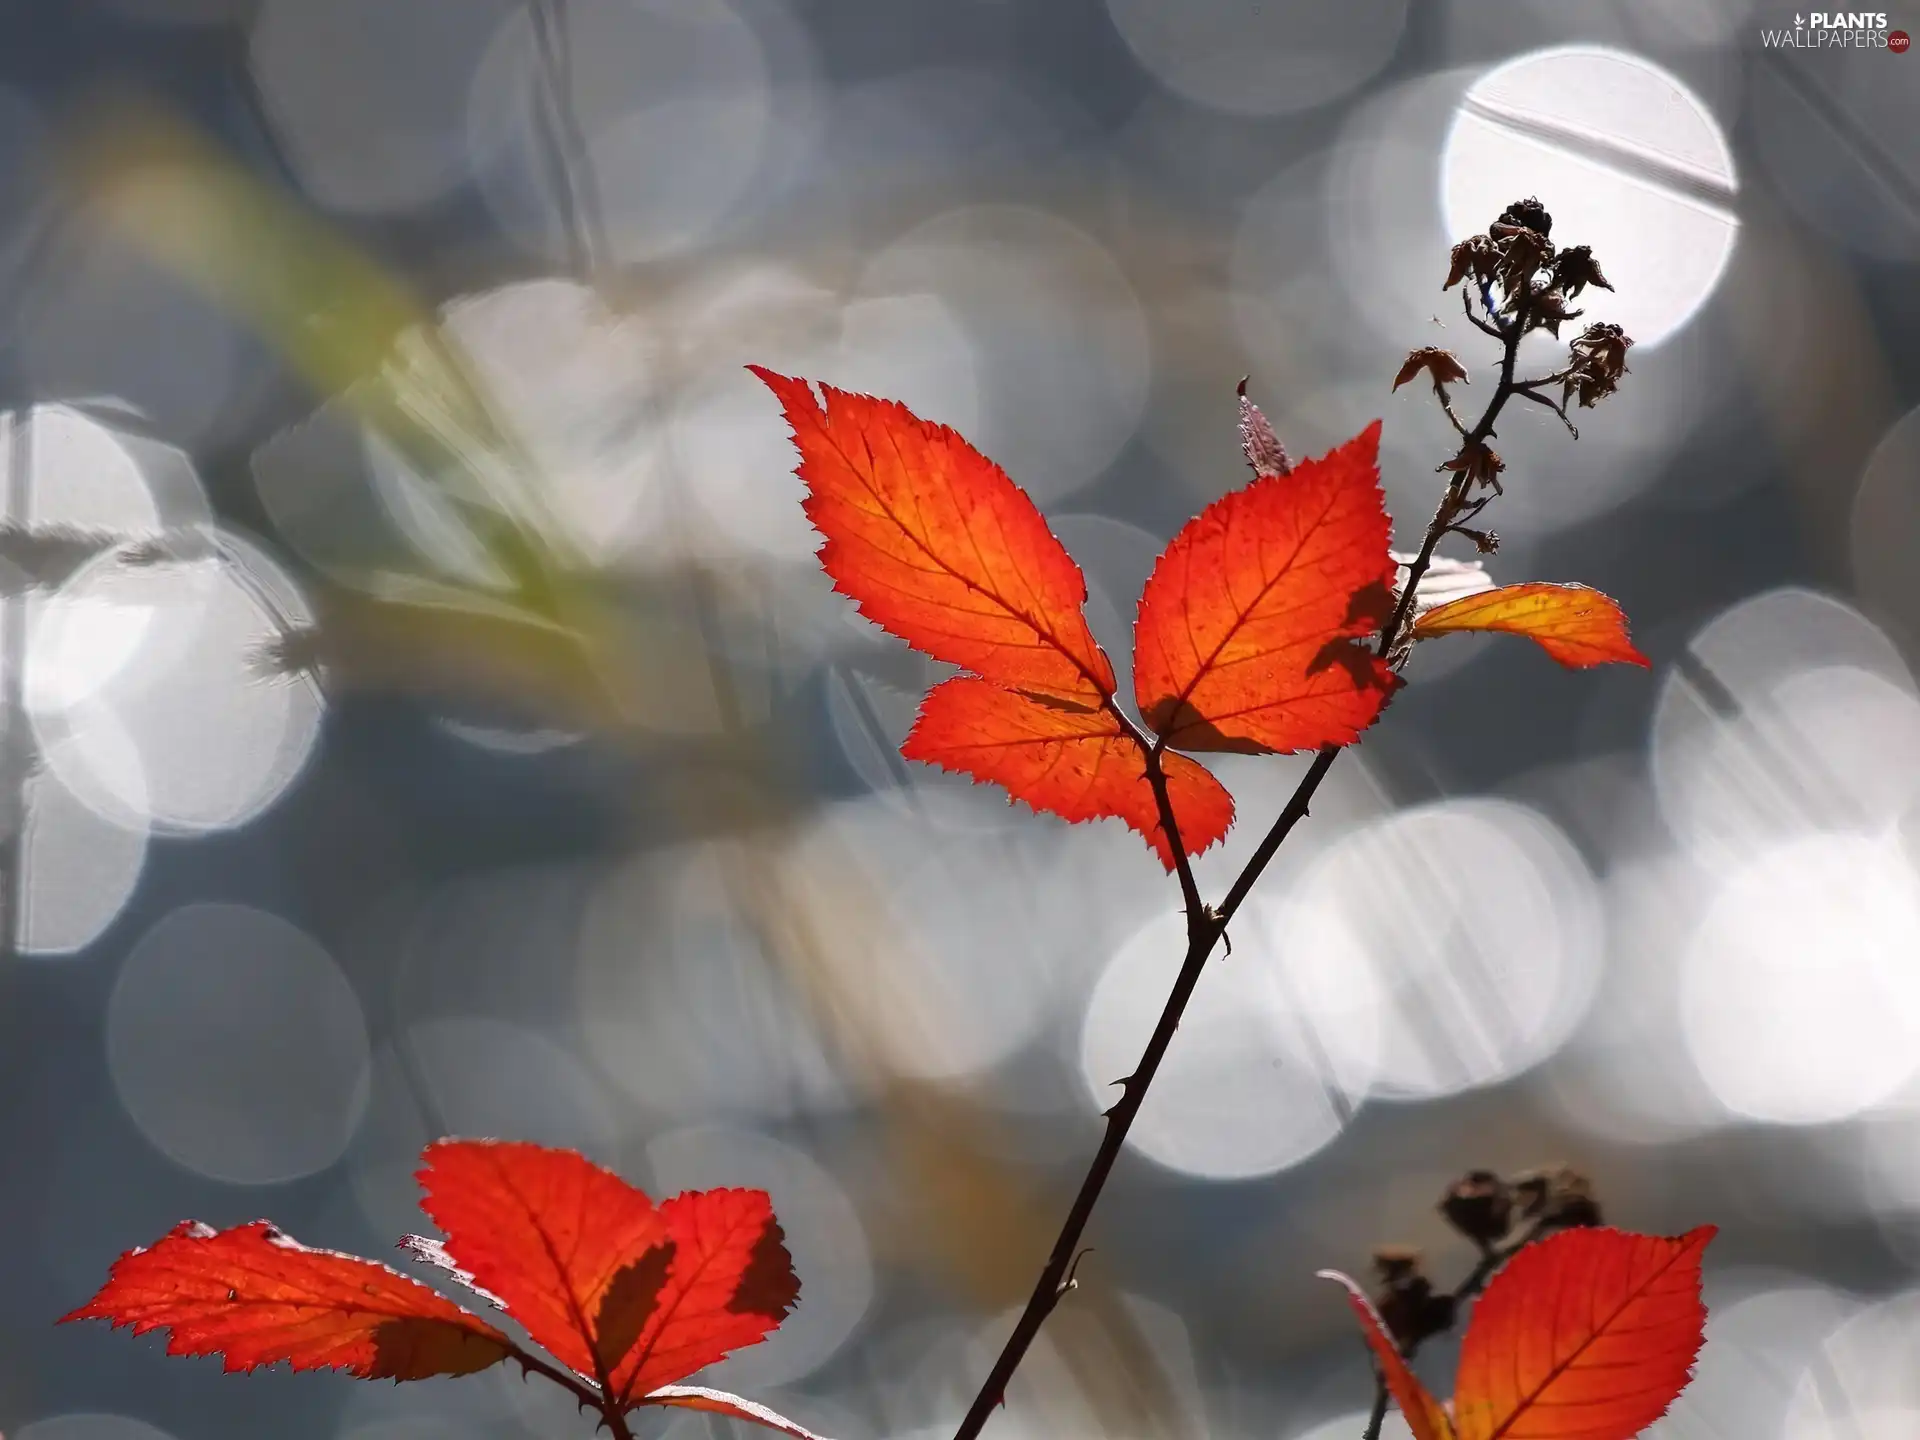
(1204, 929)
(1378, 1415)
(1157, 778)
(1534, 395)
(590, 1397)
(1467, 305)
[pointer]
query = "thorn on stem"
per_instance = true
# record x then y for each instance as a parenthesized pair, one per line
(1071, 1280)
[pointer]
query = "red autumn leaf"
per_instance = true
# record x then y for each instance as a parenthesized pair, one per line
(1587, 1335)
(719, 1402)
(1425, 1415)
(729, 1283)
(1250, 630)
(934, 543)
(548, 1233)
(256, 1296)
(1078, 764)
(1575, 625)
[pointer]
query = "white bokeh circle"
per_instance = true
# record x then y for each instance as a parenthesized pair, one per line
(1799, 996)
(1272, 1055)
(1626, 159)
(237, 1046)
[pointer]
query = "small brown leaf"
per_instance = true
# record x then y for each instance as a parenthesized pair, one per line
(1441, 366)
(1476, 256)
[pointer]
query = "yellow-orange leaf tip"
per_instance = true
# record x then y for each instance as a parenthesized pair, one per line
(1576, 625)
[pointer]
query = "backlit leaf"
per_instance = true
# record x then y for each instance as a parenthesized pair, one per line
(546, 1231)
(1575, 625)
(1251, 630)
(730, 1282)
(256, 1296)
(934, 543)
(1587, 1335)
(1425, 1415)
(1078, 764)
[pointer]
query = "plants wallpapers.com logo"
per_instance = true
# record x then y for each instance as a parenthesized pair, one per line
(1838, 29)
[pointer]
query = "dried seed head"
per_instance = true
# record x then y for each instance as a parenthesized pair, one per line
(1605, 345)
(1478, 463)
(1527, 214)
(1598, 360)
(1575, 268)
(1479, 1206)
(1396, 1263)
(1522, 254)
(1550, 310)
(1406, 1300)
(1557, 1195)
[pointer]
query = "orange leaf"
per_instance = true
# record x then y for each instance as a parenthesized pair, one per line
(256, 1296)
(1587, 1335)
(1249, 635)
(730, 1282)
(719, 1402)
(1575, 625)
(552, 1236)
(1078, 764)
(1425, 1415)
(934, 543)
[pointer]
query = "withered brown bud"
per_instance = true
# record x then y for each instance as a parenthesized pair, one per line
(1395, 1263)
(1574, 269)
(1522, 254)
(1478, 463)
(1557, 1195)
(1479, 1206)
(1440, 364)
(1550, 310)
(1606, 344)
(1527, 214)
(1599, 359)
(1477, 256)
(1406, 1300)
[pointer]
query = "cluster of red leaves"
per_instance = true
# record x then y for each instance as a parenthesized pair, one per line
(1253, 634)
(626, 1295)
(1587, 1335)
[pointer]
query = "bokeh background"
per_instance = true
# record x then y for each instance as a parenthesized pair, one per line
(421, 712)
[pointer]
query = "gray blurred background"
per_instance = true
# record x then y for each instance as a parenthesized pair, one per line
(422, 713)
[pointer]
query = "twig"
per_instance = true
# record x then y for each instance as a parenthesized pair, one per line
(1204, 928)
(1196, 911)
(1378, 1415)
(589, 1396)
(1555, 406)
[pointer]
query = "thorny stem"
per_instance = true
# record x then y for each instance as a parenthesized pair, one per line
(1151, 750)
(1206, 926)
(590, 1397)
